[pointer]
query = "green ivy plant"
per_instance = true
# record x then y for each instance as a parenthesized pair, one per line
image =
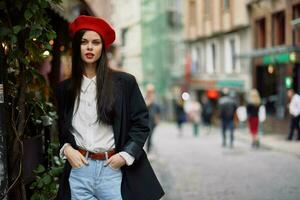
(25, 32)
(46, 184)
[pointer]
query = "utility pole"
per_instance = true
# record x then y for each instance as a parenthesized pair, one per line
(3, 147)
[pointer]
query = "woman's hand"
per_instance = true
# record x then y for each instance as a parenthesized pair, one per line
(116, 161)
(75, 158)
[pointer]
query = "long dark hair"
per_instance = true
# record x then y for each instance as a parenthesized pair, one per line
(104, 83)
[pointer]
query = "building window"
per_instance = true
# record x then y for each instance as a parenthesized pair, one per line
(226, 4)
(296, 31)
(278, 27)
(195, 61)
(214, 56)
(192, 13)
(124, 33)
(207, 7)
(232, 52)
(199, 55)
(260, 33)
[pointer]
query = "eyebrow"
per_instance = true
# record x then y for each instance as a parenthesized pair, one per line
(92, 39)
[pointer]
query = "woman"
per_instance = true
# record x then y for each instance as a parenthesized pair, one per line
(252, 113)
(103, 124)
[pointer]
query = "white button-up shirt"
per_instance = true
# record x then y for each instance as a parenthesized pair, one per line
(294, 106)
(88, 133)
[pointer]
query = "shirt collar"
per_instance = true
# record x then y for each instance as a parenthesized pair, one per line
(86, 82)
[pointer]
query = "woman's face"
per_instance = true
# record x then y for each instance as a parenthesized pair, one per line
(91, 47)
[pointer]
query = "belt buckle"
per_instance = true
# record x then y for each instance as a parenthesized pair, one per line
(106, 155)
(87, 154)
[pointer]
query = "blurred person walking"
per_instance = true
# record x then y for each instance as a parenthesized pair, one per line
(207, 111)
(227, 106)
(193, 110)
(103, 124)
(179, 114)
(253, 105)
(154, 113)
(294, 109)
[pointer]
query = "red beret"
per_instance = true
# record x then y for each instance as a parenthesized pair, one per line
(95, 24)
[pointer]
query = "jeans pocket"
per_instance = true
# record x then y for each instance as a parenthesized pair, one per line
(77, 168)
(115, 169)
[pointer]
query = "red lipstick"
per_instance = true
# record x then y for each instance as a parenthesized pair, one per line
(89, 55)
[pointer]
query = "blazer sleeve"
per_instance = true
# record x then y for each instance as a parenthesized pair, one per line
(65, 136)
(139, 120)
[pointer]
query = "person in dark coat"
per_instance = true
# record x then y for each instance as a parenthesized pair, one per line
(154, 114)
(227, 106)
(103, 124)
(179, 114)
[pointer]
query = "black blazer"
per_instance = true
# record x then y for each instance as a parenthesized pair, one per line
(130, 133)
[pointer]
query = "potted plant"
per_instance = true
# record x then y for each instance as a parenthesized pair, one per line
(25, 33)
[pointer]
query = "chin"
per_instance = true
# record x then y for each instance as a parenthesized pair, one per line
(90, 61)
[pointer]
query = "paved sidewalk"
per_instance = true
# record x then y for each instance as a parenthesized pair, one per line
(274, 141)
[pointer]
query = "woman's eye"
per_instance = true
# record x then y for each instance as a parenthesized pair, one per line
(84, 42)
(97, 42)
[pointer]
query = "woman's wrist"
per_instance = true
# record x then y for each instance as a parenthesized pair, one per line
(67, 149)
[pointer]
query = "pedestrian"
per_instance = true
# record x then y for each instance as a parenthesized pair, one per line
(294, 109)
(154, 113)
(193, 110)
(253, 105)
(103, 124)
(180, 114)
(207, 111)
(227, 106)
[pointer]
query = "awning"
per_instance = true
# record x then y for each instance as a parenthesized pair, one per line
(267, 51)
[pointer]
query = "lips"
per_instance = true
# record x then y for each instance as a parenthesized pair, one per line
(89, 55)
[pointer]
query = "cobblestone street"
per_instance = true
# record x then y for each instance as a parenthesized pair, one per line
(199, 168)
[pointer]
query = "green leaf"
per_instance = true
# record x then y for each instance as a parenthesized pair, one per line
(34, 8)
(40, 184)
(40, 169)
(27, 14)
(46, 179)
(4, 31)
(44, 4)
(35, 196)
(48, 46)
(35, 33)
(19, 4)
(14, 39)
(56, 171)
(16, 29)
(51, 35)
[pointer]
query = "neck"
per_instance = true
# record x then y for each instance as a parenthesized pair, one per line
(90, 70)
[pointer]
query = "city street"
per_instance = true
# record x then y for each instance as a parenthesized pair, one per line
(199, 168)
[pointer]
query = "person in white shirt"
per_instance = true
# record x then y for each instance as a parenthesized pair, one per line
(103, 124)
(294, 109)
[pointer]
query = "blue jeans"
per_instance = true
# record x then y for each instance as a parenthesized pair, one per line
(227, 124)
(95, 181)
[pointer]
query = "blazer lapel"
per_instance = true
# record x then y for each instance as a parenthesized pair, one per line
(118, 106)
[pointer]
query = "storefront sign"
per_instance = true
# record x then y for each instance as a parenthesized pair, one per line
(230, 84)
(279, 58)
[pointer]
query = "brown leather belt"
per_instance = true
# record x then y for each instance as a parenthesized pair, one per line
(98, 156)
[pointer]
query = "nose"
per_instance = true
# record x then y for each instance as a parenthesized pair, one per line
(89, 46)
